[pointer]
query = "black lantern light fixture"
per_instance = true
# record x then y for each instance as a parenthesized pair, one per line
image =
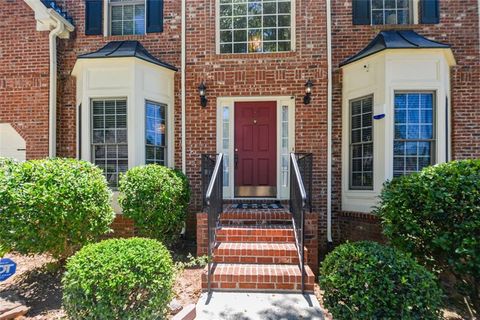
(308, 92)
(202, 91)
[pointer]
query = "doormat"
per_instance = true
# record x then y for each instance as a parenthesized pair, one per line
(263, 206)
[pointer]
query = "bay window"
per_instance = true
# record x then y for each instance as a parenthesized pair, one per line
(155, 133)
(109, 137)
(361, 143)
(414, 141)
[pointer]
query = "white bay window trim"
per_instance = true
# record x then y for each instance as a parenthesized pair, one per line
(382, 75)
(131, 79)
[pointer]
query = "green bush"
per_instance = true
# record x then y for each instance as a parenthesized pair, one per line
(156, 199)
(435, 215)
(366, 280)
(119, 279)
(54, 206)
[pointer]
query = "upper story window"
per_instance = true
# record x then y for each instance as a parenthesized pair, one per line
(248, 26)
(414, 141)
(392, 11)
(380, 12)
(127, 17)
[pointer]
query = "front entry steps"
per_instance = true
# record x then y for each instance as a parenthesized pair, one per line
(256, 251)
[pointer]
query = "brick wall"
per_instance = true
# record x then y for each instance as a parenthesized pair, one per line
(281, 74)
(24, 85)
(24, 76)
(459, 27)
(165, 46)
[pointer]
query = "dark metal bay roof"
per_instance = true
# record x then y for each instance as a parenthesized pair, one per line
(395, 39)
(122, 49)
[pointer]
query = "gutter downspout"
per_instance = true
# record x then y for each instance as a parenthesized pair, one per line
(184, 72)
(329, 122)
(52, 99)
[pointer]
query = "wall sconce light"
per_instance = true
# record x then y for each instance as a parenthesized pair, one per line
(202, 90)
(308, 92)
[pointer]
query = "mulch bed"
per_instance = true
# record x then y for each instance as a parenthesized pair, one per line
(37, 285)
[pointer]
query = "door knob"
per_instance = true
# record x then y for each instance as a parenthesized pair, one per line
(236, 150)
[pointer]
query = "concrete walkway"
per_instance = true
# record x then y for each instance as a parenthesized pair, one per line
(256, 306)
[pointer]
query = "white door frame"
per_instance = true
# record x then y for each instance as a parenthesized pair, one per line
(225, 142)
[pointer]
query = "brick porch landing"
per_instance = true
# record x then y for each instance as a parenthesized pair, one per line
(256, 251)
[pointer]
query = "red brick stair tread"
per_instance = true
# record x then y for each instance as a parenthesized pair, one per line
(254, 252)
(267, 233)
(258, 277)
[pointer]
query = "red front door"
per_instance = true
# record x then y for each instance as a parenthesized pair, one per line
(255, 149)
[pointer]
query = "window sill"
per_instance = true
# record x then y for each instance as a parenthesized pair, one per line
(259, 55)
(126, 37)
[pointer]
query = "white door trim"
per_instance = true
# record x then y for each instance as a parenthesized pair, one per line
(225, 143)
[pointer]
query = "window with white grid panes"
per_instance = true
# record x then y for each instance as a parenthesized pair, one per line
(155, 133)
(109, 137)
(248, 26)
(361, 144)
(414, 142)
(391, 11)
(127, 17)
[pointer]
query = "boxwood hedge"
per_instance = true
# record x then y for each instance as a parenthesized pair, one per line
(365, 280)
(435, 215)
(156, 199)
(118, 279)
(52, 205)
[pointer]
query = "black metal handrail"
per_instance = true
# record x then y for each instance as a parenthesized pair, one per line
(299, 201)
(213, 201)
(305, 165)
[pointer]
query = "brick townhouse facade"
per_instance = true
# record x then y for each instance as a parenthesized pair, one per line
(411, 98)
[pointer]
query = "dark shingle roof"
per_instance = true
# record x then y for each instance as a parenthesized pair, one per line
(395, 39)
(122, 49)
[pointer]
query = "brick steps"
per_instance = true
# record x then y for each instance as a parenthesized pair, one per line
(259, 277)
(245, 233)
(262, 253)
(255, 217)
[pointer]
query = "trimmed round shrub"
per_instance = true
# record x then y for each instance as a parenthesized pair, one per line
(53, 206)
(365, 280)
(435, 215)
(156, 199)
(119, 279)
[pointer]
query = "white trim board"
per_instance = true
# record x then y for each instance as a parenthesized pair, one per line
(229, 102)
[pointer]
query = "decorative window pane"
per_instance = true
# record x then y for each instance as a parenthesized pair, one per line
(361, 144)
(414, 132)
(127, 17)
(109, 138)
(391, 11)
(155, 133)
(285, 154)
(226, 145)
(255, 26)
